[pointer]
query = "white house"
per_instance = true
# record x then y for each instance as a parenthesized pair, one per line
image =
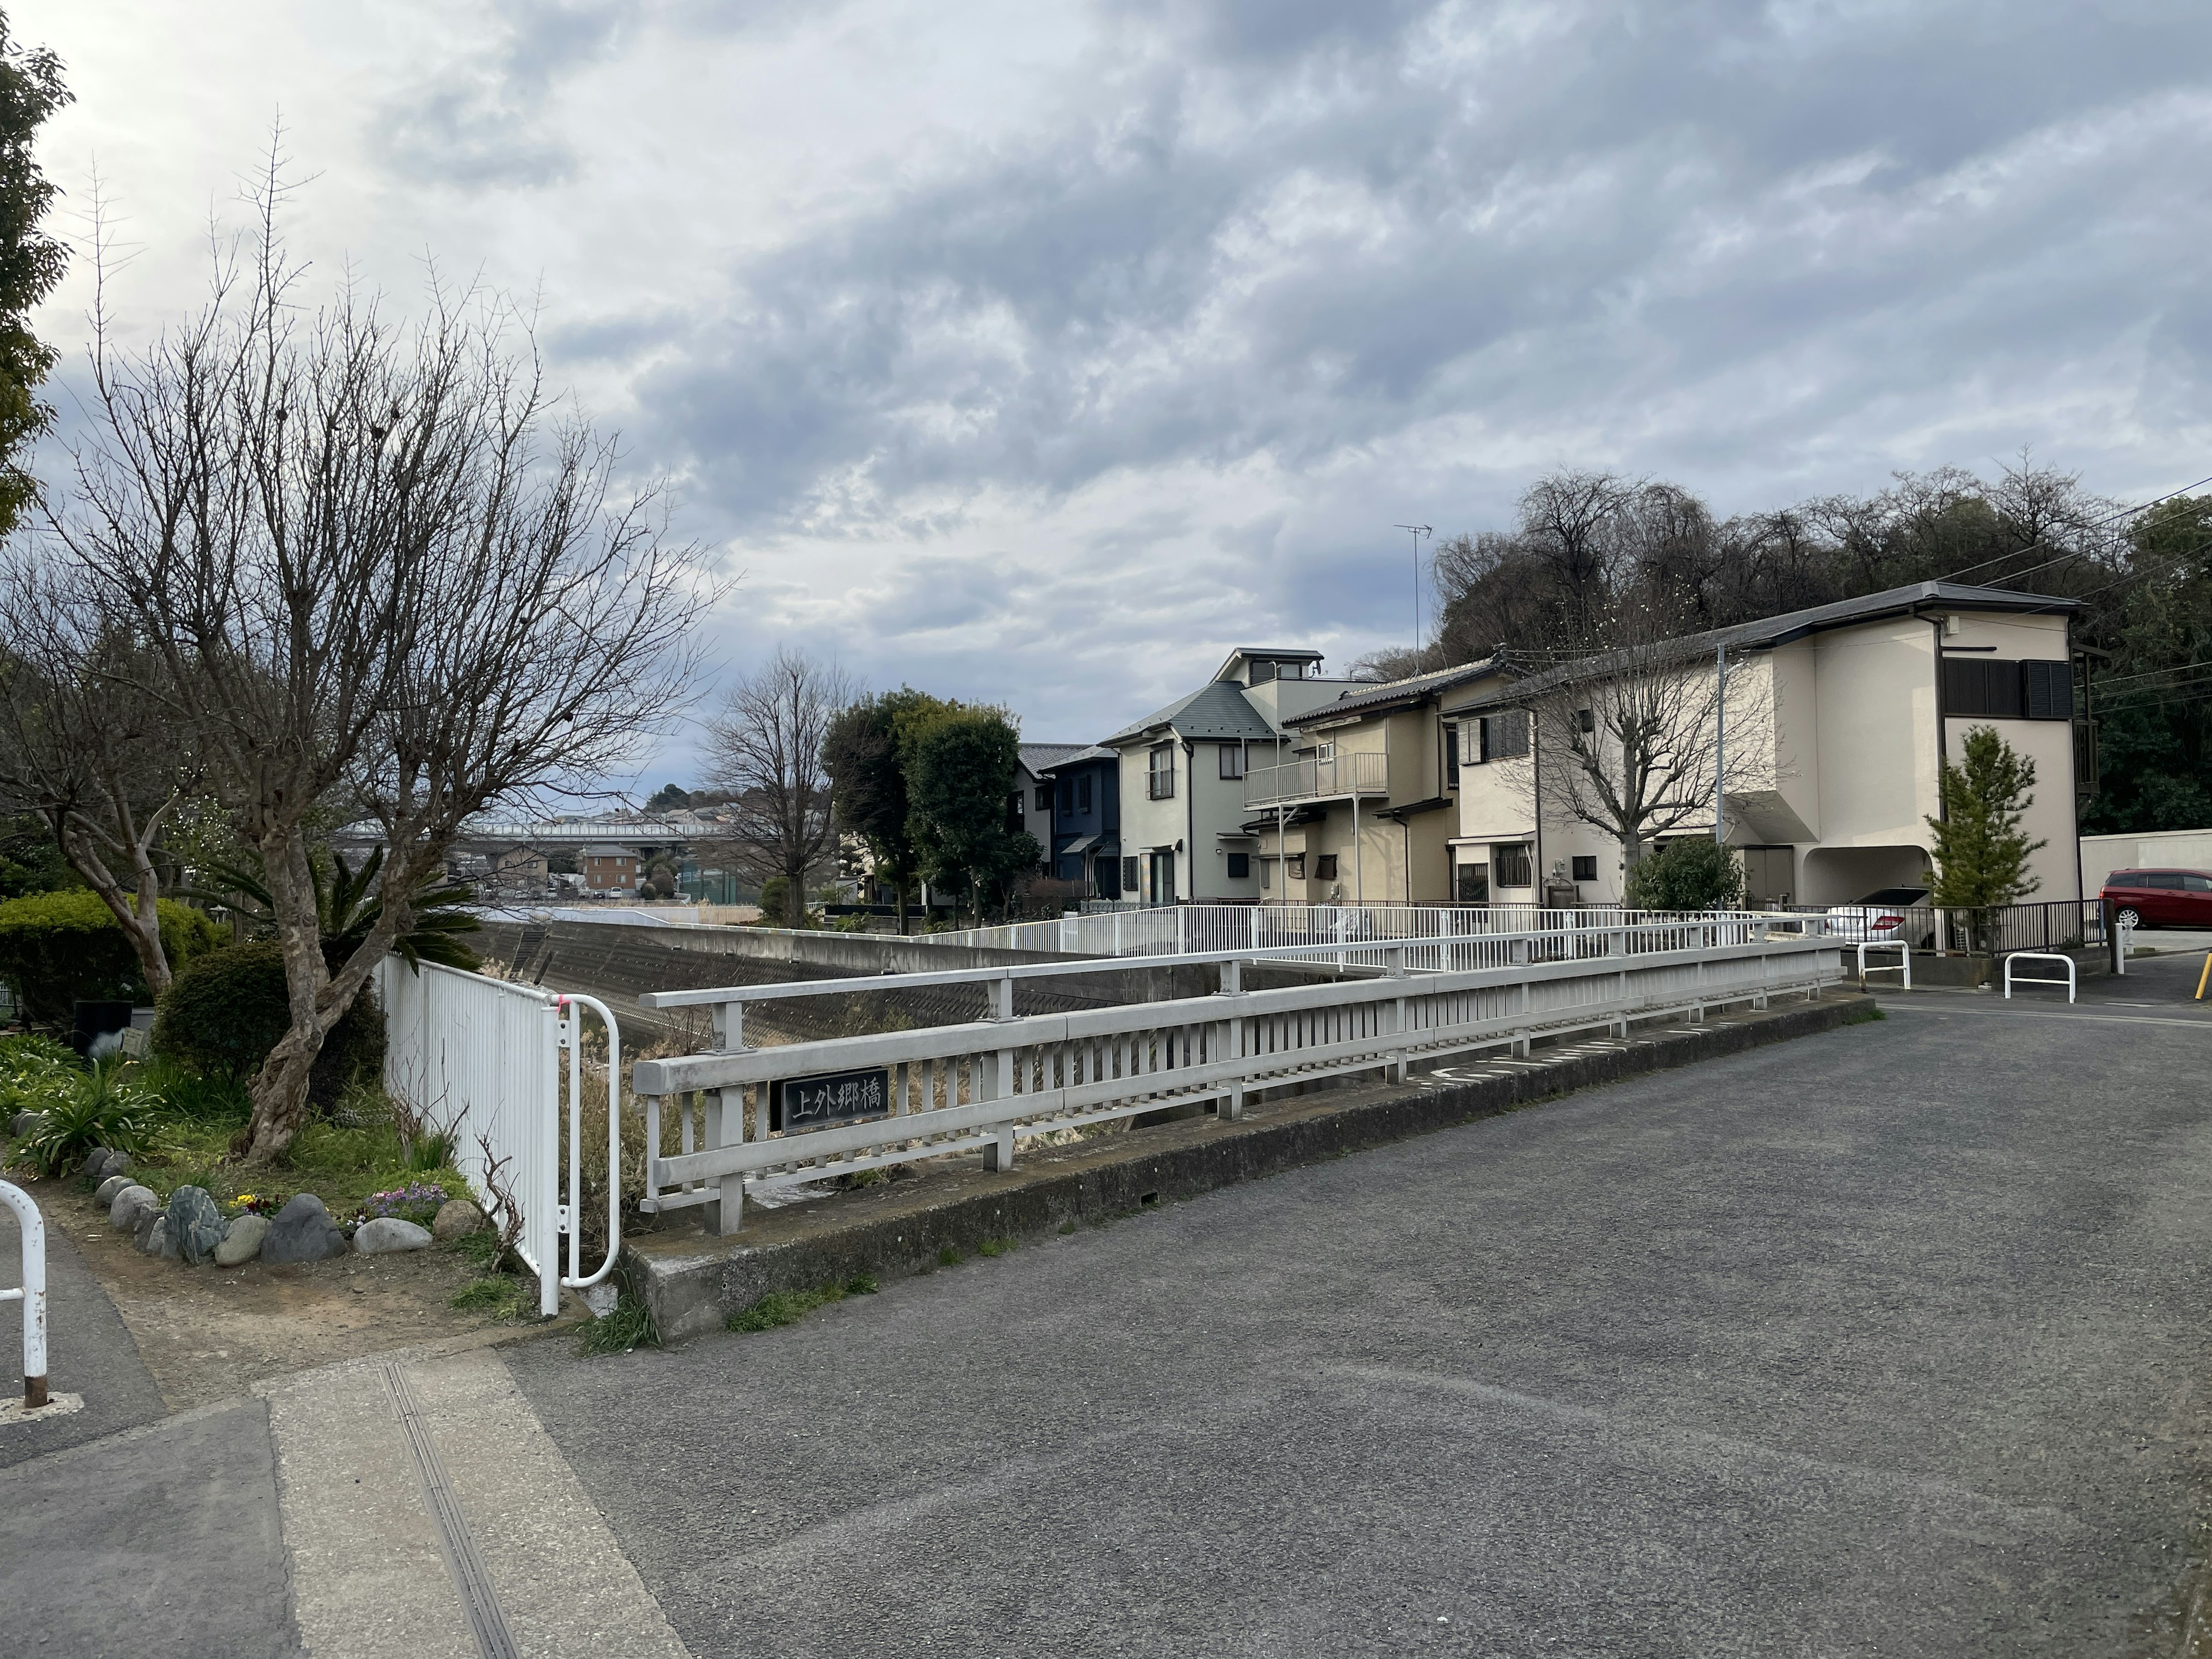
(1853, 708)
(1186, 833)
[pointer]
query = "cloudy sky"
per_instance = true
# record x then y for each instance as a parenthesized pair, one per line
(1038, 353)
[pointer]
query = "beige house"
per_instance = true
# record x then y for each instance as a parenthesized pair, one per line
(1186, 831)
(1851, 708)
(1363, 808)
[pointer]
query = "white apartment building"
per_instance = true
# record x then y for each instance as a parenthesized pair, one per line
(1854, 708)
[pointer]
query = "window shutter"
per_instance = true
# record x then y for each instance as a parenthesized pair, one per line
(2049, 690)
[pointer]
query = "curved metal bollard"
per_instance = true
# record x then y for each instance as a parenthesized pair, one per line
(32, 1293)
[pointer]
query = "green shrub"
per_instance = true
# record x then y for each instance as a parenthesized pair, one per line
(227, 1009)
(35, 1074)
(1693, 873)
(57, 948)
(101, 1108)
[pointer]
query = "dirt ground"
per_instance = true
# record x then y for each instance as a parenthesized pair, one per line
(207, 1333)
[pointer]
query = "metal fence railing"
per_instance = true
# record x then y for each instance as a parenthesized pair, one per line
(2061, 925)
(1454, 935)
(810, 1111)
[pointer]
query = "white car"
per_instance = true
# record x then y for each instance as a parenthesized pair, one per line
(1884, 918)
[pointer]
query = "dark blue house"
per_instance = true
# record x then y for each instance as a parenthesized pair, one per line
(1087, 820)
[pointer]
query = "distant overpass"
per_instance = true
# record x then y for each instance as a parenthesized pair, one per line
(551, 835)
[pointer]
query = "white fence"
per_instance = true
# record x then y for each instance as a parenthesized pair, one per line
(481, 1059)
(896, 1096)
(1457, 936)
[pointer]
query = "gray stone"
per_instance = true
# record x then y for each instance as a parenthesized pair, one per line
(196, 1224)
(118, 1163)
(108, 1188)
(24, 1122)
(243, 1241)
(456, 1219)
(388, 1234)
(155, 1239)
(95, 1161)
(148, 1218)
(130, 1205)
(302, 1231)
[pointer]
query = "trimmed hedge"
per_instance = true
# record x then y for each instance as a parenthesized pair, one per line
(229, 1008)
(57, 948)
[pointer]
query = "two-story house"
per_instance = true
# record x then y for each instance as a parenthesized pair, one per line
(1184, 835)
(1842, 714)
(1086, 843)
(1031, 807)
(1363, 808)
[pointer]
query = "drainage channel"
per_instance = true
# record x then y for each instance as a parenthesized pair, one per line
(471, 1579)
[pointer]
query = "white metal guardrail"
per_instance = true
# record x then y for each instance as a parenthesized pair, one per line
(1187, 929)
(32, 1292)
(481, 1059)
(1902, 963)
(1358, 772)
(810, 1111)
(2039, 979)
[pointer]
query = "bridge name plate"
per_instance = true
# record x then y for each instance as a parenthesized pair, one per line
(835, 1097)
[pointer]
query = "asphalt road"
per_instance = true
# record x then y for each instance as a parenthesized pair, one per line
(1892, 1341)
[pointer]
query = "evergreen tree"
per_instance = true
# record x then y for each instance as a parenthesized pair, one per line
(1981, 851)
(31, 262)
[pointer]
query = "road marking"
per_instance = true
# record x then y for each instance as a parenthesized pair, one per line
(1698, 1444)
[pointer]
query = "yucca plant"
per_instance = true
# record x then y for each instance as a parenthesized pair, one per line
(347, 905)
(101, 1108)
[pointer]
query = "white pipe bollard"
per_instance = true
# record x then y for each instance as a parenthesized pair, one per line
(32, 1293)
(2038, 956)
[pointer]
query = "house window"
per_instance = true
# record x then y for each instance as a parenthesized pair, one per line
(1325, 750)
(1511, 861)
(1240, 867)
(1266, 874)
(1585, 867)
(1083, 793)
(1325, 866)
(1130, 875)
(1504, 737)
(1044, 797)
(1585, 721)
(1474, 885)
(1262, 671)
(1232, 759)
(1298, 863)
(1159, 783)
(2049, 690)
(1451, 755)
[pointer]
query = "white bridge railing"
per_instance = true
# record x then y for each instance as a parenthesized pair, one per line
(479, 1059)
(1188, 929)
(810, 1111)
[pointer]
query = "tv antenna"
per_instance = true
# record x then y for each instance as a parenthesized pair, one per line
(1417, 531)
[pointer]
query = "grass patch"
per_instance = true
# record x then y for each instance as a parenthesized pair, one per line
(628, 1325)
(789, 1307)
(996, 1246)
(480, 1247)
(509, 1299)
(1865, 1014)
(949, 1256)
(1068, 1226)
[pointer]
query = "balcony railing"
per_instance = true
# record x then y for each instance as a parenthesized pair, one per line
(1362, 773)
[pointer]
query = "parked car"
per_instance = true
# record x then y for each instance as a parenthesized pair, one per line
(2160, 898)
(1885, 917)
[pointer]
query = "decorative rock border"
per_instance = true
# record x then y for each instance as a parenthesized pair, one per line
(191, 1227)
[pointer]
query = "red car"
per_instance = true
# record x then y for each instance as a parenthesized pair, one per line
(2160, 898)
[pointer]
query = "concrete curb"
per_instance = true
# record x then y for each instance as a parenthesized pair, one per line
(692, 1283)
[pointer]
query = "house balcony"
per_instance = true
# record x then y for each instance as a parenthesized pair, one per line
(1338, 777)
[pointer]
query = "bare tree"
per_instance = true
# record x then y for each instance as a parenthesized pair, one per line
(367, 563)
(1634, 740)
(766, 748)
(85, 748)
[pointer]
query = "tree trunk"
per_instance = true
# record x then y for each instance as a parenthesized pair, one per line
(135, 909)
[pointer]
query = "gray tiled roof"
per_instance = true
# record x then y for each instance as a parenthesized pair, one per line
(1043, 756)
(1416, 688)
(1217, 710)
(1769, 631)
(1091, 752)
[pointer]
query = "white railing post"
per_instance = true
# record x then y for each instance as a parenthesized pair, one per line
(32, 1292)
(998, 1077)
(725, 1123)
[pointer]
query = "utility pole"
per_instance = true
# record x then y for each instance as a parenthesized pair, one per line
(1417, 531)
(1720, 745)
